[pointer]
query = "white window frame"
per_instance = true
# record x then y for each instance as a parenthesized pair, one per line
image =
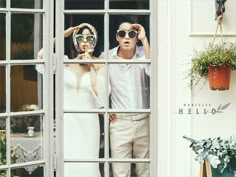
(47, 111)
(60, 15)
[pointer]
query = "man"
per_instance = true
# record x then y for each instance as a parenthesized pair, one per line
(129, 133)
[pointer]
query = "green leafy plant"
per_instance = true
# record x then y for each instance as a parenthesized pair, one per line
(3, 152)
(212, 55)
(3, 174)
(2, 147)
(218, 151)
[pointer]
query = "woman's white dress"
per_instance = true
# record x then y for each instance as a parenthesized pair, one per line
(81, 130)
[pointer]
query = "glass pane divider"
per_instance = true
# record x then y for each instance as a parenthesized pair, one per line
(3, 167)
(111, 12)
(128, 12)
(129, 111)
(26, 62)
(101, 160)
(120, 160)
(67, 61)
(26, 113)
(3, 115)
(74, 12)
(84, 111)
(129, 62)
(111, 160)
(30, 163)
(8, 86)
(106, 116)
(108, 111)
(3, 63)
(102, 61)
(3, 10)
(22, 10)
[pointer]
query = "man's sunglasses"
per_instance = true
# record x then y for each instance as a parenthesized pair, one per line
(89, 38)
(131, 33)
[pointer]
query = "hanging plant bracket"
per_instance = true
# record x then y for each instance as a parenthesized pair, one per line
(220, 8)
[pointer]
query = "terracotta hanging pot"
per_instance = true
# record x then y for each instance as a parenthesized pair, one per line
(219, 77)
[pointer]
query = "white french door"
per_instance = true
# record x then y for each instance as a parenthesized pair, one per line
(26, 97)
(32, 113)
(104, 16)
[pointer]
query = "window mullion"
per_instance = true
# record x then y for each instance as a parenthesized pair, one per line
(8, 86)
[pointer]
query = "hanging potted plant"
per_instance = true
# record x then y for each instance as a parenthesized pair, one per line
(216, 62)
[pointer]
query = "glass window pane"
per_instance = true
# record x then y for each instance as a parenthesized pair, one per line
(84, 4)
(26, 91)
(26, 35)
(2, 3)
(83, 169)
(102, 136)
(2, 89)
(82, 136)
(130, 86)
(3, 141)
(129, 4)
(97, 21)
(2, 36)
(29, 171)
(32, 4)
(138, 169)
(3, 173)
(26, 138)
(116, 20)
(84, 88)
(130, 135)
(130, 83)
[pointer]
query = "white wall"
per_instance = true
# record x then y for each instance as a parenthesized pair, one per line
(185, 25)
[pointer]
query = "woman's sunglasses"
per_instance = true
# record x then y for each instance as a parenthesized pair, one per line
(131, 33)
(89, 38)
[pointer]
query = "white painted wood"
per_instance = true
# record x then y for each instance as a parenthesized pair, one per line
(202, 21)
(182, 27)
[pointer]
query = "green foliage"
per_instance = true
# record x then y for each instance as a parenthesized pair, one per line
(218, 151)
(3, 174)
(2, 147)
(216, 55)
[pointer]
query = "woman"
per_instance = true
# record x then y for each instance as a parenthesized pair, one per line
(81, 130)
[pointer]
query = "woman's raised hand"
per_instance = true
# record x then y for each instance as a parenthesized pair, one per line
(70, 30)
(85, 55)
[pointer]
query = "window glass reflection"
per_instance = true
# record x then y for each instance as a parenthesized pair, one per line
(83, 136)
(129, 135)
(25, 37)
(26, 138)
(2, 3)
(129, 4)
(138, 169)
(2, 89)
(130, 86)
(29, 171)
(84, 169)
(84, 4)
(116, 20)
(2, 142)
(97, 21)
(24, 88)
(2, 37)
(32, 4)
(3, 173)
